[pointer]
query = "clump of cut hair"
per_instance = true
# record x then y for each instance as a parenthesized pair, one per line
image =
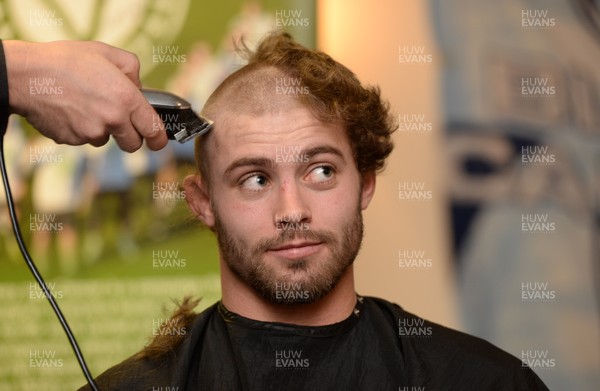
(172, 333)
(334, 94)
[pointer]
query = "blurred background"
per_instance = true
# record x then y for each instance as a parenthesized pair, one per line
(485, 220)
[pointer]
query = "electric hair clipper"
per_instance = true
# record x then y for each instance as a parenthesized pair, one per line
(181, 123)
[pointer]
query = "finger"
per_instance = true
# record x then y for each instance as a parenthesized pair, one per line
(99, 141)
(127, 62)
(148, 124)
(127, 138)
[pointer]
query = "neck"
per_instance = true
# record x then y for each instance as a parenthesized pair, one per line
(334, 307)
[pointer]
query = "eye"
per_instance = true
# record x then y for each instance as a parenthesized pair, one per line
(321, 174)
(254, 182)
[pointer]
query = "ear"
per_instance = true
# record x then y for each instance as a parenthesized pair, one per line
(198, 199)
(368, 189)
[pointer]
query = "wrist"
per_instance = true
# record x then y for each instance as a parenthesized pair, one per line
(16, 54)
(4, 106)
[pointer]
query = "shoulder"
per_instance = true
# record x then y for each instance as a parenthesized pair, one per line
(440, 354)
(161, 362)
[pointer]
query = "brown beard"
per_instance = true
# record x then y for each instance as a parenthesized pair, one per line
(248, 264)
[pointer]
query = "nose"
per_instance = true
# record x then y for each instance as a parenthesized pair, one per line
(291, 207)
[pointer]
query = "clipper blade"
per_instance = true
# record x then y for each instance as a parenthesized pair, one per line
(180, 121)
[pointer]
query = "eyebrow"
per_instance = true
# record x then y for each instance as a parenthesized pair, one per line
(261, 161)
(319, 149)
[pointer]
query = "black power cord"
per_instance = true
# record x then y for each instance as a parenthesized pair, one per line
(36, 273)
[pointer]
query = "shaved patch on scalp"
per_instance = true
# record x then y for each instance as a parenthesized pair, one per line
(249, 91)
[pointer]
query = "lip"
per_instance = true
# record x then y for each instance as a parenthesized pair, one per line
(297, 249)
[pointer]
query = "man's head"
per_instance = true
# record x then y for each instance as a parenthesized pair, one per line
(288, 167)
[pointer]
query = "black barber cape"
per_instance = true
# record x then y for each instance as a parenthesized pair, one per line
(378, 347)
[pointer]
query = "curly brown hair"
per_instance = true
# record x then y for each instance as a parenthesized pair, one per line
(334, 95)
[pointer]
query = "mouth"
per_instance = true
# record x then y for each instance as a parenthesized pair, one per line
(296, 250)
